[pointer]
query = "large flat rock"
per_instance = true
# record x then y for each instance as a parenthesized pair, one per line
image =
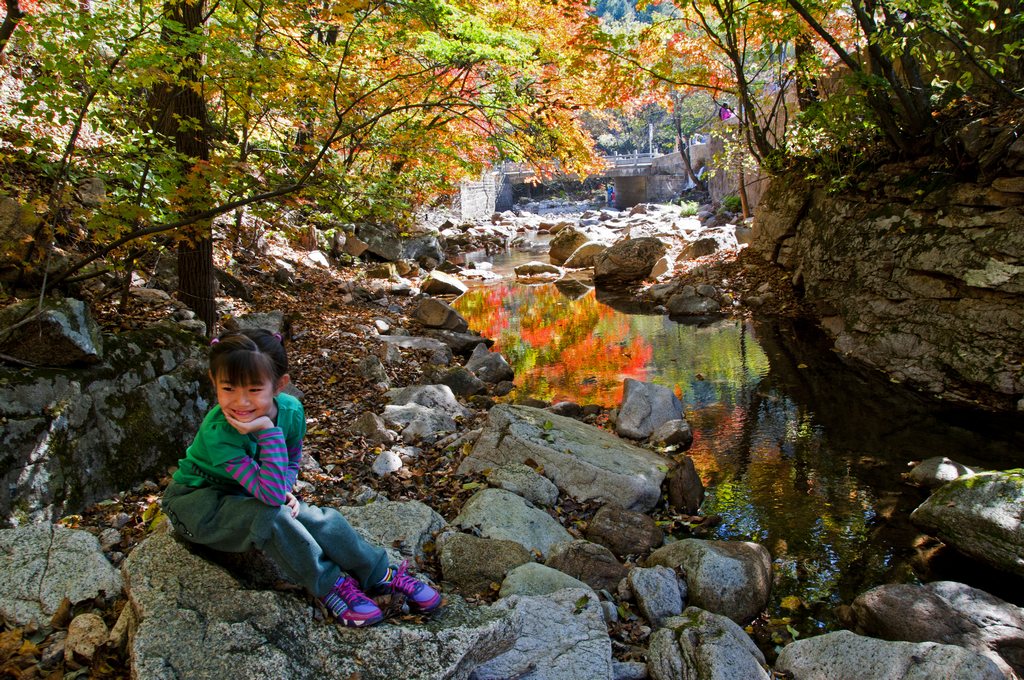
(582, 460)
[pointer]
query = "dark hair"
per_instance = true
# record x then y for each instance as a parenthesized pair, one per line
(248, 357)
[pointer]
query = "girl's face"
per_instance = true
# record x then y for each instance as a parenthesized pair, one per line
(246, 403)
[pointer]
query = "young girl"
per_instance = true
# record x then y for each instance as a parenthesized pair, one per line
(233, 489)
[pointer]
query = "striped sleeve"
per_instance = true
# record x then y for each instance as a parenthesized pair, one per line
(266, 480)
(291, 475)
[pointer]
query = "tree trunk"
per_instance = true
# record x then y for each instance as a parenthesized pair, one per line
(14, 15)
(185, 119)
(806, 91)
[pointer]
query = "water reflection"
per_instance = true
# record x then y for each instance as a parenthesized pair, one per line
(799, 451)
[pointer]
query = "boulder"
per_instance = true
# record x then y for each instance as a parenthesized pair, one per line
(60, 333)
(186, 606)
(700, 644)
(405, 527)
(687, 301)
(624, 532)
(934, 472)
(562, 636)
(589, 562)
(646, 407)
(439, 283)
(440, 352)
(438, 398)
(529, 269)
(476, 564)
(947, 612)
(732, 578)
(711, 241)
(462, 344)
(657, 593)
(496, 513)
(675, 432)
(585, 255)
(68, 432)
(40, 565)
(538, 579)
(371, 427)
(685, 488)
(582, 460)
(434, 313)
(980, 516)
(627, 261)
(524, 481)
(565, 243)
(460, 380)
(491, 367)
(847, 655)
(390, 244)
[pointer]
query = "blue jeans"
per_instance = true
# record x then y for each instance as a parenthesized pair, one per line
(312, 549)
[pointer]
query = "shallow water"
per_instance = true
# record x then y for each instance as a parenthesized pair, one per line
(798, 451)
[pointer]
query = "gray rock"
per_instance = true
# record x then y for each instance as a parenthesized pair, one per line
(627, 261)
(538, 579)
(387, 461)
(685, 488)
(462, 344)
(273, 321)
(372, 369)
(388, 243)
(403, 527)
(500, 514)
(187, 606)
(934, 472)
(41, 565)
(439, 283)
(645, 407)
(946, 612)
(582, 460)
(60, 333)
(585, 255)
(67, 430)
(434, 313)
(565, 243)
(657, 593)
(537, 269)
(941, 311)
(569, 409)
(846, 655)
(524, 481)
(704, 646)
(418, 423)
(491, 367)
(568, 642)
(629, 670)
(461, 381)
(371, 427)
(980, 516)
(688, 302)
(624, 532)
(589, 562)
(435, 397)
(473, 564)
(732, 578)
(674, 432)
(711, 241)
(442, 353)
(92, 192)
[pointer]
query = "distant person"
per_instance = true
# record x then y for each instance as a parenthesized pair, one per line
(724, 112)
(609, 194)
(233, 489)
(611, 198)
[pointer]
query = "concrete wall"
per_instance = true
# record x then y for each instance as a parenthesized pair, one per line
(478, 199)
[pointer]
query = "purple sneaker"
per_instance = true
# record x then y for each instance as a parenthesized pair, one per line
(350, 606)
(420, 596)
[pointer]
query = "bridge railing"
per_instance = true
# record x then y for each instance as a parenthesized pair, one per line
(630, 160)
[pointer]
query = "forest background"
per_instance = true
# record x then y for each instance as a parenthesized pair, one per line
(374, 110)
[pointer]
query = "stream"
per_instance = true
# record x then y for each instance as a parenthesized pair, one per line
(798, 451)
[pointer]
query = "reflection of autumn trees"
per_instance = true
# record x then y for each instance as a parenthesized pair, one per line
(559, 348)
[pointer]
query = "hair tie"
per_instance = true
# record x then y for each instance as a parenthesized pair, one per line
(214, 341)
(278, 336)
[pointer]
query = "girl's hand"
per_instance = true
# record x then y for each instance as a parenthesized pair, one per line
(293, 503)
(255, 425)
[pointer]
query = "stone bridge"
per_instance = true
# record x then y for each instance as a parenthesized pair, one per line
(637, 178)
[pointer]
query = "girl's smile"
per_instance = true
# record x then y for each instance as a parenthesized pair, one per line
(246, 403)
